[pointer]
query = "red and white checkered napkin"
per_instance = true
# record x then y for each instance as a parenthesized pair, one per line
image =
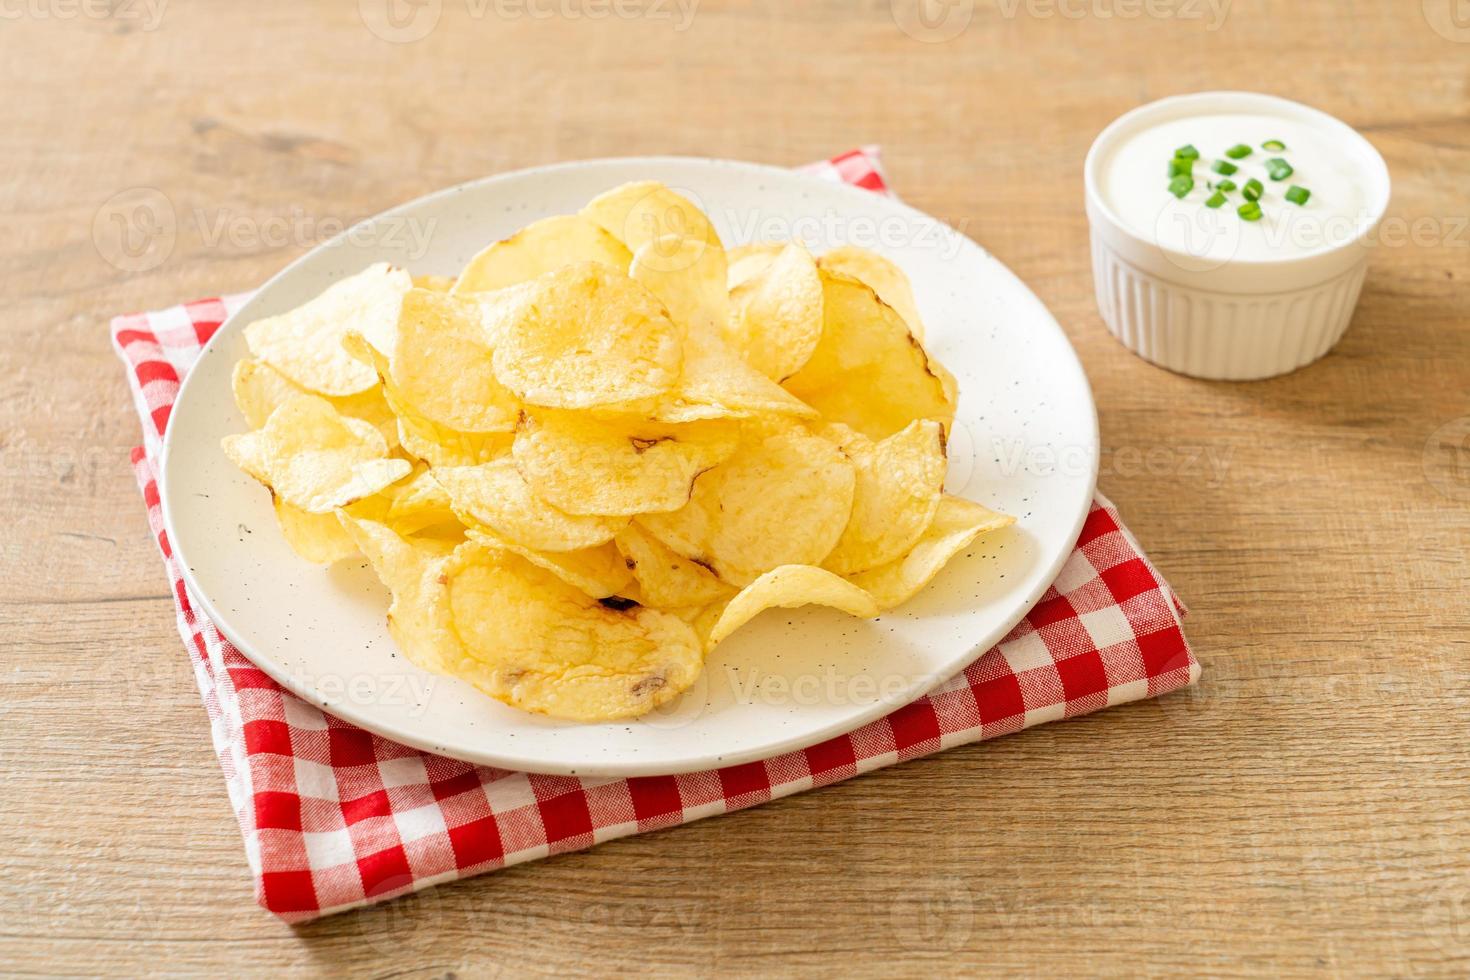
(336, 817)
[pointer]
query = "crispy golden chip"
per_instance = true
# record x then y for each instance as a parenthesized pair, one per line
(744, 261)
(440, 445)
(314, 458)
(868, 370)
(442, 368)
(788, 587)
(645, 211)
(718, 384)
(260, 389)
(412, 504)
(899, 483)
(539, 248)
(583, 336)
(667, 580)
(306, 344)
(776, 314)
(541, 645)
(957, 522)
(599, 572)
(318, 538)
(585, 465)
(688, 277)
(879, 275)
(411, 569)
(783, 498)
(434, 284)
(496, 496)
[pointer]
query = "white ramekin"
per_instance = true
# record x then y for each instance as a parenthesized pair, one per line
(1237, 319)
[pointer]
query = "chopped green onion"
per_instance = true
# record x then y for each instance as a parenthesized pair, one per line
(1216, 199)
(1253, 189)
(1226, 185)
(1275, 146)
(1238, 152)
(1298, 195)
(1187, 152)
(1278, 168)
(1178, 166)
(1250, 211)
(1224, 167)
(1181, 185)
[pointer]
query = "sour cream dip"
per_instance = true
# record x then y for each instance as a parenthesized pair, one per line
(1230, 229)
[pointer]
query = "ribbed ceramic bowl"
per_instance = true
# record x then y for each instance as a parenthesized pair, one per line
(1236, 319)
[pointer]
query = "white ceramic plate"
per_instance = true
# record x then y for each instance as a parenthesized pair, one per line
(1025, 442)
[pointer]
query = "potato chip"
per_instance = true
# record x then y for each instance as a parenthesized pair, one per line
(314, 458)
(441, 367)
(411, 569)
(306, 344)
(434, 284)
(744, 261)
(868, 370)
(599, 572)
(541, 645)
(717, 384)
(581, 337)
(539, 248)
(787, 587)
(585, 465)
(899, 483)
(957, 522)
(412, 504)
(318, 538)
(645, 211)
(665, 579)
(688, 277)
(496, 496)
(879, 275)
(260, 389)
(776, 314)
(783, 498)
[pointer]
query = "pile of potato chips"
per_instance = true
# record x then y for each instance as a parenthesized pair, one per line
(607, 445)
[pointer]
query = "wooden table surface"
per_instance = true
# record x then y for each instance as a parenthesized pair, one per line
(1305, 809)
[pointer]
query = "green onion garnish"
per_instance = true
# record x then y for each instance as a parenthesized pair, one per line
(1250, 211)
(1226, 185)
(1216, 199)
(1278, 168)
(1253, 189)
(1275, 146)
(1298, 195)
(1224, 167)
(1178, 166)
(1181, 185)
(1238, 152)
(1187, 152)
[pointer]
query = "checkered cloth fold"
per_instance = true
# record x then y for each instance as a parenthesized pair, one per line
(335, 817)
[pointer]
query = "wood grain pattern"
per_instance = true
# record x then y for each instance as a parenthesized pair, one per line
(1304, 810)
